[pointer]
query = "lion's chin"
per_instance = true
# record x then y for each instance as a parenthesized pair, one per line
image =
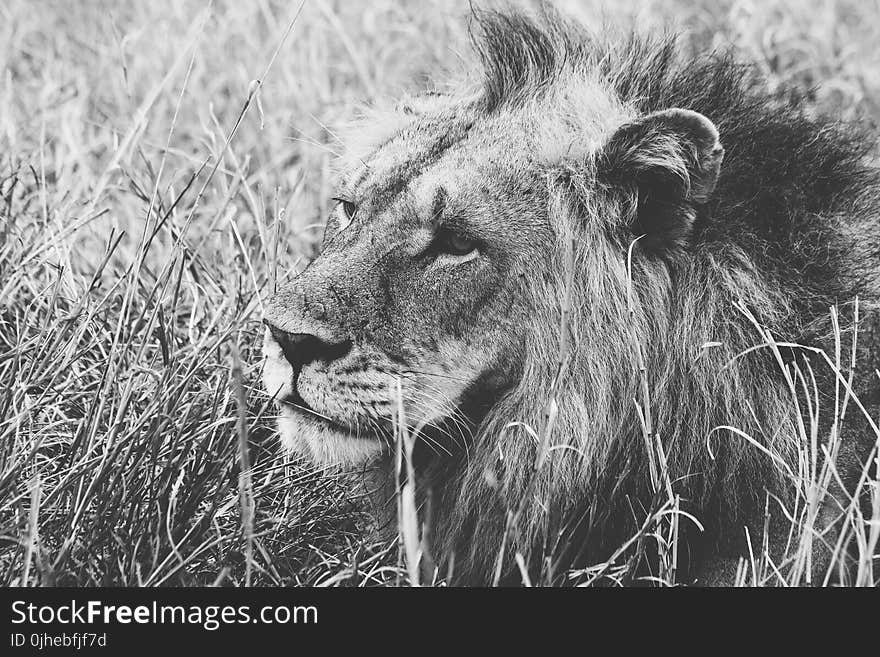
(322, 444)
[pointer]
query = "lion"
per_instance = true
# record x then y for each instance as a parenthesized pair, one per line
(602, 275)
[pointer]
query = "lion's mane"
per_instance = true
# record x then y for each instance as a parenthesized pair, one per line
(790, 231)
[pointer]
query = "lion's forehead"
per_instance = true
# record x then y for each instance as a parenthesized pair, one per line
(461, 176)
(461, 150)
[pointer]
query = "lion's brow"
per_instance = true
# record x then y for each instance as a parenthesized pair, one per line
(401, 175)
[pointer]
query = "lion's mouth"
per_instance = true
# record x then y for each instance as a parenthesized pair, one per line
(298, 405)
(375, 430)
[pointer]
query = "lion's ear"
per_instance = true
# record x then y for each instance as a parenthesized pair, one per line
(665, 165)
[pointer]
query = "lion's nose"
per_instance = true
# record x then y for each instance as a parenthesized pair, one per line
(303, 348)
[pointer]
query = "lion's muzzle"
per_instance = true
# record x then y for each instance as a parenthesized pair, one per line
(313, 419)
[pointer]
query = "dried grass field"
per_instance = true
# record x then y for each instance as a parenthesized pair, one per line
(164, 166)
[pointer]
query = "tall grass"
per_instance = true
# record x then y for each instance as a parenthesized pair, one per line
(164, 166)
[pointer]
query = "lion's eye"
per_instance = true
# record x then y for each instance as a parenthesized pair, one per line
(348, 207)
(455, 244)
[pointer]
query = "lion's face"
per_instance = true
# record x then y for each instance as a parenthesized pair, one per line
(414, 310)
(442, 258)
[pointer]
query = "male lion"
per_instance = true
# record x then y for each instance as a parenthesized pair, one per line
(595, 284)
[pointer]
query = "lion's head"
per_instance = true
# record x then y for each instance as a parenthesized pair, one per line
(506, 265)
(444, 247)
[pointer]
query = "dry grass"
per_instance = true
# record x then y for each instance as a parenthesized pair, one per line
(151, 193)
